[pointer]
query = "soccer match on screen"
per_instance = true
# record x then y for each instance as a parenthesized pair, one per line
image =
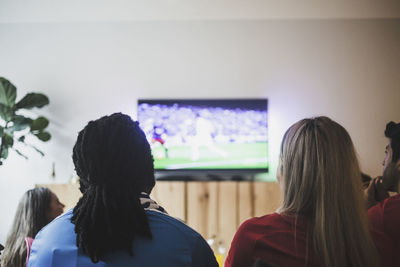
(206, 134)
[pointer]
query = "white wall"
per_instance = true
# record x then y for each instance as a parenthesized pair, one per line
(346, 69)
(128, 10)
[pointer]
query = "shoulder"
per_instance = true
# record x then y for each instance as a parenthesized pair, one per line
(386, 215)
(393, 201)
(59, 226)
(271, 228)
(252, 229)
(391, 211)
(165, 227)
(264, 222)
(160, 222)
(242, 250)
(391, 204)
(57, 236)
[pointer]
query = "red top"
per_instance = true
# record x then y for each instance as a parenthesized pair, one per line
(385, 219)
(281, 241)
(271, 238)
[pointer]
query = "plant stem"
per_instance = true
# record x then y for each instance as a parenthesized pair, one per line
(2, 140)
(1, 146)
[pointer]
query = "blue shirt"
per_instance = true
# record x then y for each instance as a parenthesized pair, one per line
(174, 244)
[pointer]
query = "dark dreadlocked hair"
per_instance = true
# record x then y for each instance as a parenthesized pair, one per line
(114, 162)
(393, 133)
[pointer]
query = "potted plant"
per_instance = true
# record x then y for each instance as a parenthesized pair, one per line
(14, 127)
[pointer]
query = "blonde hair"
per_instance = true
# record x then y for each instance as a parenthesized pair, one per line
(320, 179)
(29, 218)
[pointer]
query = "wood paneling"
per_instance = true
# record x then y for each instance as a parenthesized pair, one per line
(171, 195)
(246, 201)
(202, 199)
(228, 203)
(266, 198)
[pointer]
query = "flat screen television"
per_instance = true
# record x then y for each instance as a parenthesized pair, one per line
(206, 134)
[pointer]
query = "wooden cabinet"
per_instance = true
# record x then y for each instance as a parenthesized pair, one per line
(211, 208)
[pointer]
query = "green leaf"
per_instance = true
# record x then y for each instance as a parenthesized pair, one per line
(4, 153)
(39, 124)
(43, 136)
(8, 140)
(6, 113)
(20, 123)
(8, 93)
(33, 100)
(1, 131)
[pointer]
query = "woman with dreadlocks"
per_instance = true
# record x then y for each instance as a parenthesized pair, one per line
(115, 223)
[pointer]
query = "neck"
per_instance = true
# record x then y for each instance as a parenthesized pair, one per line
(398, 175)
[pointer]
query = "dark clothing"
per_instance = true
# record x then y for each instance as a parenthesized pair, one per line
(385, 219)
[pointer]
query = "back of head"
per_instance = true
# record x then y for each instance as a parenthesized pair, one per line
(365, 178)
(320, 179)
(30, 217)
(392, 132)
(113, 160)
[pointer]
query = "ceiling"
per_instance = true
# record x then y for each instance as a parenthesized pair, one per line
(22, 11)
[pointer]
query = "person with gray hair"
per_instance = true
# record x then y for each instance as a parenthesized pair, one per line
(36, 209)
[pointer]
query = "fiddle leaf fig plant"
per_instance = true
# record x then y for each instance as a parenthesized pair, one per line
(14, 127)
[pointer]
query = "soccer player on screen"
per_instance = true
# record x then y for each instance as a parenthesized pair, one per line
(203, 137)
(159, 133)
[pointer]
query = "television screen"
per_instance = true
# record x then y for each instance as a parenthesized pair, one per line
(206, 134)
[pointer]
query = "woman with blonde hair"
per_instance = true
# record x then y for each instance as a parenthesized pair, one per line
(322, 220)
(36, 209)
